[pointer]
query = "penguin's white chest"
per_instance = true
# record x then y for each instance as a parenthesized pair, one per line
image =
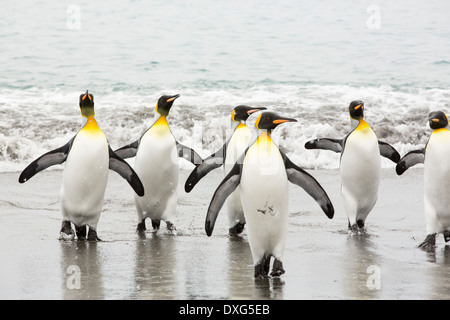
(361, 164)
(437, 173)
(85, 174)
(264, 194)
(236, 146)
(156, 164)
(264, 186)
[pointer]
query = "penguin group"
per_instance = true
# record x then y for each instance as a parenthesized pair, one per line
(256, 177)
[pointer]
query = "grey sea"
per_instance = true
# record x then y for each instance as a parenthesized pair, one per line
(303, 59)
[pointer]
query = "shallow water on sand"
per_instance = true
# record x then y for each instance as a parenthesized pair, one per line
(322, 261)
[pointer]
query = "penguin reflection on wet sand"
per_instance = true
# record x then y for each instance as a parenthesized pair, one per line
(436, 159)
(156, 163)
(88, 157)
(227, 156)
(263, 172)
(360, 165)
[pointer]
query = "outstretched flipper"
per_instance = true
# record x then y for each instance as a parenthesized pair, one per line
(214, 161)
(300, 177)
(189, 154)
(336, 145)
(48, 159)
(388, 151)
(128, 151)
(226, 187)
(120, 166)
(410, 159)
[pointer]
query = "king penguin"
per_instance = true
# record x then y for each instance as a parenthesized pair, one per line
(360, 165)
(88, 157)
(436, 159)
(263, 172)
(227, 155)
(156, 155)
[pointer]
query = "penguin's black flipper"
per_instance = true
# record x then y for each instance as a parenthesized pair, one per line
(388, 151)
(214, 161)
(226, 187)
(128, 151)
(189, 154)
(300, 177)
(120, 166)
(410, 159)
(336, 145)
(48, 159)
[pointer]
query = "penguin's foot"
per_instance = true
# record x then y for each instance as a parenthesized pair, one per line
(356, 229)
(262, 268)
(277, 269)
(237, 229)
(92, 235)
(360, 224)
(141, 227)
(155, 224)
(447, 236)
(171, 227)
(259, 272)
(429, 242)
(267, 265)
(81, 232)
(66, 232)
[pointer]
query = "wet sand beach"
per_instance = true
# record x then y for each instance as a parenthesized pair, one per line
(322, 261)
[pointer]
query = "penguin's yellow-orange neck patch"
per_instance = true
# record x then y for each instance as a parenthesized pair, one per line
(160, 127)
(91, 125)
(362, 125)
(440, 130)
(162, 121)
(264, 137)
(241, 125)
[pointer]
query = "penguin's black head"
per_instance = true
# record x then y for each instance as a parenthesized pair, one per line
(356, 109)
(87, 104)
(270, 120)
(241, 113)
(437, 120)
(164, 104)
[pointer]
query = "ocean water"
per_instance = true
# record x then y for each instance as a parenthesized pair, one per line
(303, 59)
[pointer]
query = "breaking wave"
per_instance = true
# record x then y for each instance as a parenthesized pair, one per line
(35, 121)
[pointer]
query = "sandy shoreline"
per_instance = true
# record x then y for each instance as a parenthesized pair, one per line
(321, 260)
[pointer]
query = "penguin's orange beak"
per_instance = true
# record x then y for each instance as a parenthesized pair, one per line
(173, 98)
(278, 121)
(255, 110)
(86, 95)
